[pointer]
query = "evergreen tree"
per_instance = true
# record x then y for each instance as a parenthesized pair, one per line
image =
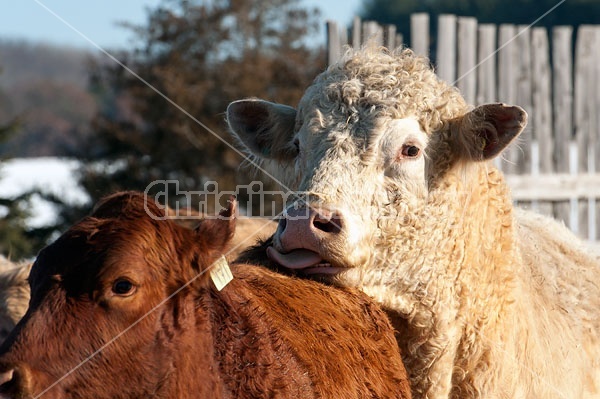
(200, 55)
(14, 240)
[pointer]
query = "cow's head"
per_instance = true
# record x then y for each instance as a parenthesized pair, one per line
(372, 137)
(108, 313)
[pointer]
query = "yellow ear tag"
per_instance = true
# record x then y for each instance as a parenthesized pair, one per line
(482, 144)
(220, 273)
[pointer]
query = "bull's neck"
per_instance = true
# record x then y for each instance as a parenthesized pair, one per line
(454, 240)
(473, 210)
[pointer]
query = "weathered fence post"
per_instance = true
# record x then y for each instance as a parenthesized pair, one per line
(507, 82)
(446, 48)
(507, 59)
(467, 56)
(562, 62)
(541, 117)
(594, 233)
(372, 32)
(521, 155)
(419, 33)
(399, 39)
(595, 92)
(389, 37)
(334, 49)
(486, 64)
(356, 33)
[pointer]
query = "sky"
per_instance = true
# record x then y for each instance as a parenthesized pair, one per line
(39, 20)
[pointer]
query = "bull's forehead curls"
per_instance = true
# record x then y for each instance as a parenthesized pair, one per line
(374, 82)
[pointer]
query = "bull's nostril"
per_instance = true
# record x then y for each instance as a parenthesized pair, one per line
(331, 225)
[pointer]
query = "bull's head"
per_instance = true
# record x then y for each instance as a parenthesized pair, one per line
(373, 137)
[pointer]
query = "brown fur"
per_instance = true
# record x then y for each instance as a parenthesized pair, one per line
(263, 335)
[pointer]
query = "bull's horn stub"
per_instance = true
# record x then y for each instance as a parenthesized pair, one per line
(220, 273)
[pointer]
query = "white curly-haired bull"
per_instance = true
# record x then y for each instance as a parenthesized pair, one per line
(491, 302)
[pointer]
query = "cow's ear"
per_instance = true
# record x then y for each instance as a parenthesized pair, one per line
(487, 130)
(265, 129)
(216, 232)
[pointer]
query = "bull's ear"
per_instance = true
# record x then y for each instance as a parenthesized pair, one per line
(216, 232)
(264, 128)
(488, 129)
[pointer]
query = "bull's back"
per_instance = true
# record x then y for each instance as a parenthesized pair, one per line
(563, 275)
(563, 269)
(342, 339)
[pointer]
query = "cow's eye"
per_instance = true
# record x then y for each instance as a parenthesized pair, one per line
(410, 151)
(123, 287)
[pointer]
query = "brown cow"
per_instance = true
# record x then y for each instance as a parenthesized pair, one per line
(122, 307)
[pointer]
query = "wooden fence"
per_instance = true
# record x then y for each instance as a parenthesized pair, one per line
(555, 166)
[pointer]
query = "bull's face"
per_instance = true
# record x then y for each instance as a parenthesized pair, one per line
(101, 323)
(364, 151)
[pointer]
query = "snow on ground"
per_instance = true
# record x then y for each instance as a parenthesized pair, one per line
(49, 175)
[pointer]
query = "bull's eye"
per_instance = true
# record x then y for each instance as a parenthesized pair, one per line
(297, 146)
(123, 287)
(410, 151)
